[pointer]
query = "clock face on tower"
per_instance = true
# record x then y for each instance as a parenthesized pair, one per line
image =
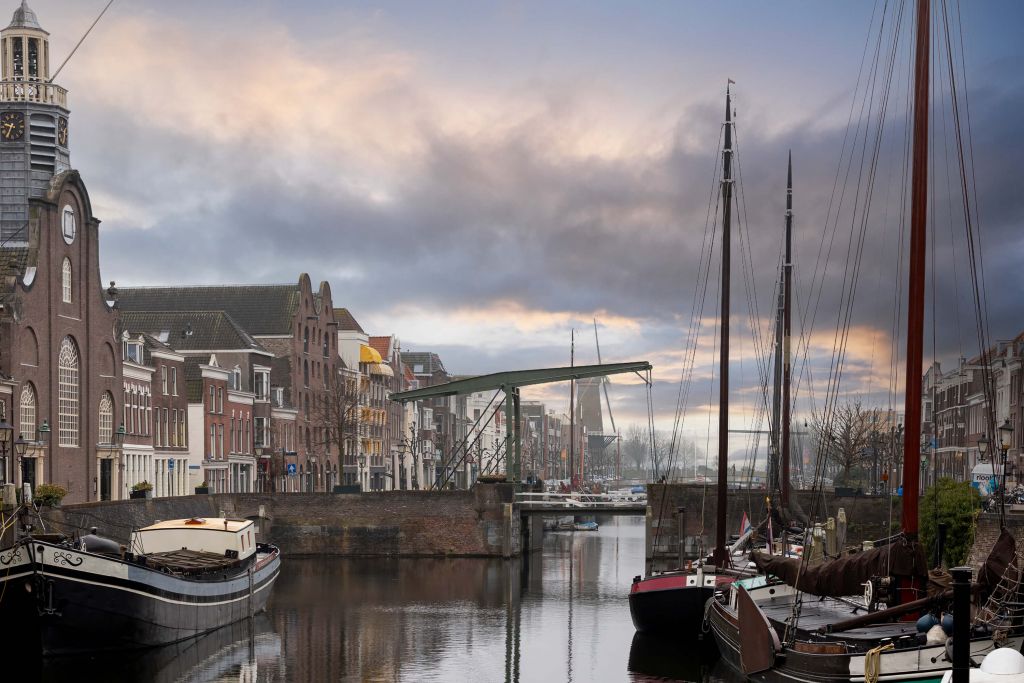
(12, 125)
(62, 131)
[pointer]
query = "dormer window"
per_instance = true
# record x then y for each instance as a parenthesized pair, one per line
(65, 279)
(236, 379)
(132, 349)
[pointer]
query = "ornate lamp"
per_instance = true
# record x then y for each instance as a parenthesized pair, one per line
(1005, 436)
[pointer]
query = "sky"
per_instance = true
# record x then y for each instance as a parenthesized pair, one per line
(479, 179)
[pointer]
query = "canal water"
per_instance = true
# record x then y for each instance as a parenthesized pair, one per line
(559, 615)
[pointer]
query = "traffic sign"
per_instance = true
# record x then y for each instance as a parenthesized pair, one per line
(291, 469)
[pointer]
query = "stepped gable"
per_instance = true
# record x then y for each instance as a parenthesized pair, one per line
(258, 309)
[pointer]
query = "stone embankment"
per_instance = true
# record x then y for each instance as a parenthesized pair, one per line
(397, 523)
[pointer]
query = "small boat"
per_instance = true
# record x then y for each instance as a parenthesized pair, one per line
(175, 580)
(585, 526)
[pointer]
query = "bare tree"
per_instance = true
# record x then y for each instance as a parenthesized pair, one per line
(636, 447)
(335, 414)
(844, 439)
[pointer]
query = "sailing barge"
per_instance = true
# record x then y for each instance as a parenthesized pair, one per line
(808, 626)
(176, 579)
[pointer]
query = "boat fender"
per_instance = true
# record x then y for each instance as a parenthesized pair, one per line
(947, 623)
(1003, 661)
(936, 636)
(925, 623)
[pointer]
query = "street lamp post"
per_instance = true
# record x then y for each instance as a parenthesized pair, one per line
(6, 434)
(1005, 441)
(361, 465)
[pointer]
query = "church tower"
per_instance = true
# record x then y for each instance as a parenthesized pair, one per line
(33, 122)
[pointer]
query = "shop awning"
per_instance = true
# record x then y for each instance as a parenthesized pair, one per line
(368, 354)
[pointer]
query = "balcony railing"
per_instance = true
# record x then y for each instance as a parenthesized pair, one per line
(33, 91)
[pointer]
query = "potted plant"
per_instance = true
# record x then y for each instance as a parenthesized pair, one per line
(142, 490)
(49, 494)
(202, 488)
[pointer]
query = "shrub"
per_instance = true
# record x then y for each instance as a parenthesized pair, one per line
(955, 504)
(49, 494)
(143, 486)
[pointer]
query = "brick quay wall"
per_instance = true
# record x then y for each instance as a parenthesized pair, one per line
(675, 511)
(476, 523)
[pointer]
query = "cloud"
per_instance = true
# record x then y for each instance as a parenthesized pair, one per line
(484, 218)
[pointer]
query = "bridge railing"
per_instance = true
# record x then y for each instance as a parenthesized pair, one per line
(579, 501)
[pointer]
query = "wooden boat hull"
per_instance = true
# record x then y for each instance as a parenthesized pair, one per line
(829, 661)
(671, 603)
(79, 601)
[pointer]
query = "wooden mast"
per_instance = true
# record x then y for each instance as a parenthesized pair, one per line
(916, 286)
(572, 412)
(787, 322)
(721, 554)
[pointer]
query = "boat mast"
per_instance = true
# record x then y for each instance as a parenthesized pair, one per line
(721, 554)
(916, 286)
(787, 321)
(572, 412)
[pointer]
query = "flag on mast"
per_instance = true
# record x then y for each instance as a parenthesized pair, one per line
(744, 524)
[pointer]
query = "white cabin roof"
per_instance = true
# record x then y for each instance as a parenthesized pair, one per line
(214, 523)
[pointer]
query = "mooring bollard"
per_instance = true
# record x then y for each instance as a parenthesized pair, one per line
(961, 624)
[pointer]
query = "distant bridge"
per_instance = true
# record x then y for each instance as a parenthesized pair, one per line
(581, 503)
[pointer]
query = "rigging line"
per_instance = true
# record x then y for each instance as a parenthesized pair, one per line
(970, 148)
(949, 215)
(696, 321)
(855, 248)
(822, 262)
(710, 404)
(975, 253)
(896, 348)
(80, 41)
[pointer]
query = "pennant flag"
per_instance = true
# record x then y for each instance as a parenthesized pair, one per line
(744, 525)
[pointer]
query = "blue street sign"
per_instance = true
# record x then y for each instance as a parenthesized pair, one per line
(170, 464)
(291, 469)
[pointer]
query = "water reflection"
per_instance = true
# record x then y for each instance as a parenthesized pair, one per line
(560, 615)
(234, 653)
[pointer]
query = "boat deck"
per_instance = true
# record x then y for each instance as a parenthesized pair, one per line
(816, 614)
(189, 561)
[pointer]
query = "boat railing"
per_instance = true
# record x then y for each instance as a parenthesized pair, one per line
(578, 500)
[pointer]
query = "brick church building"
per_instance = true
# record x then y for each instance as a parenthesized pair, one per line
(60, 357)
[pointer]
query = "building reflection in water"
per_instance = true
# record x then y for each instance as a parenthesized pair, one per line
(245, 652)
(559, 615)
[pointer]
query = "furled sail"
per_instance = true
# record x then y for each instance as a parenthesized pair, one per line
(846, 575)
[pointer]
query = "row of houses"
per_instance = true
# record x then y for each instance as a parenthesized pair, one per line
(967, 404)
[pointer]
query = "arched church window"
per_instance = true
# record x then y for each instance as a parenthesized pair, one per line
(65, 279)
(27, 416)
(106, 414)
(67, 396)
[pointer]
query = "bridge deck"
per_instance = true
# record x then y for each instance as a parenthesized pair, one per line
(580, 503)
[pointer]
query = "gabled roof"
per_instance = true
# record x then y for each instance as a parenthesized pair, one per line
(382, 345)
(191, 330)
(258, 309)
(346, 322)
(429, 360)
